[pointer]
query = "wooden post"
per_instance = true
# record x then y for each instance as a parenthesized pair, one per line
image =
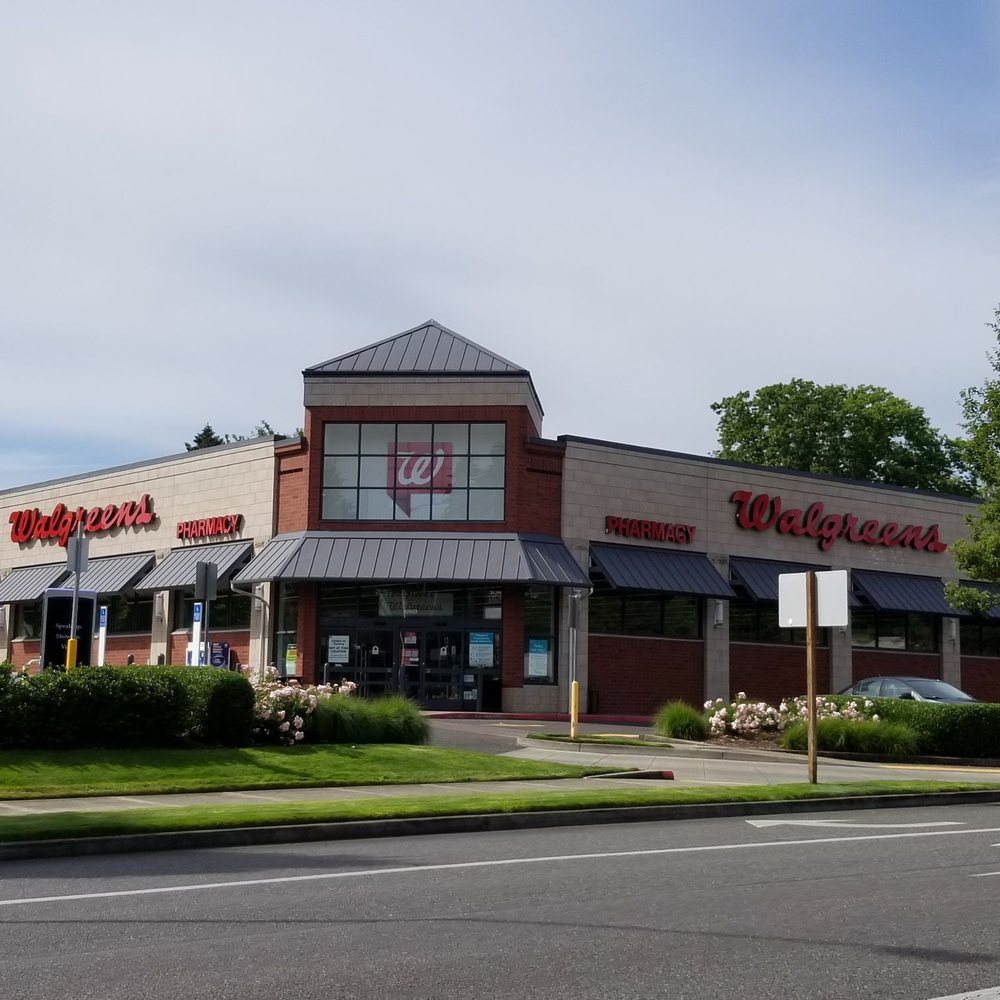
(811, 672)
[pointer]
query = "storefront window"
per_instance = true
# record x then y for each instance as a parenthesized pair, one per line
(980, 638)
(753, 622)
(129, 614)
(28, 620)
(539, 635)
(286, 622)
(663, 615)
(414, 472)
(227, 611)
(873, 629)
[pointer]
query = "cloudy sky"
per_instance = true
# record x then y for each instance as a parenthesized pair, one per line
(650, 205)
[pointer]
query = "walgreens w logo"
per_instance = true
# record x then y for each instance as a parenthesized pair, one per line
(417, 467)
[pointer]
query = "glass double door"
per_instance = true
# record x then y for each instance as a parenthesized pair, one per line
(423, 664)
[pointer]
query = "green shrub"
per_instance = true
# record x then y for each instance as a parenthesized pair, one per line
(681, 721)
(220, 706)
(125, 707)
(392, 719)
(882, 738)
(944, 730)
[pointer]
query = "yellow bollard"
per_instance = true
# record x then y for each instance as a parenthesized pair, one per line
(70, 654)
(574, 708)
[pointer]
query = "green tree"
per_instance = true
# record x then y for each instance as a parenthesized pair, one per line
(978, 555)
(205, 438)
(862, 432)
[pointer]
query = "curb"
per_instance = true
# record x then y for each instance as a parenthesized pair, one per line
(484, 823)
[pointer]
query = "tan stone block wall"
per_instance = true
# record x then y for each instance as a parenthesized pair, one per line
(601, 480)
(229, 479)
(425, 391)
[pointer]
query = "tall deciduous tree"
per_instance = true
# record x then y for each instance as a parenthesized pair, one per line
(978, 555)
(864, 432)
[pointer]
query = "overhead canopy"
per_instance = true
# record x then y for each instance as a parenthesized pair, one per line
(29, 583)
(899, 592)
(114, 573)
(630, 567)
(433, 556)
(180, 568)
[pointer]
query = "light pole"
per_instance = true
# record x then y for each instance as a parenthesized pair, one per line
(574, 684)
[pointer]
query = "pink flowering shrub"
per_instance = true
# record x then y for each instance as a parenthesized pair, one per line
(281, 709)
(744, 718)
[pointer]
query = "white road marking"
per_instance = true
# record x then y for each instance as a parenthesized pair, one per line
(845, 824)
(984, 874)
(990, 994)
(502, 862)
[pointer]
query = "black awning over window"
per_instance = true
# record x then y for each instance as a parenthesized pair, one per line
(899, 592)
(630, 567)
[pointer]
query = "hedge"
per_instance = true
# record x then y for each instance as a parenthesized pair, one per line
(124, 707)
(943, 730)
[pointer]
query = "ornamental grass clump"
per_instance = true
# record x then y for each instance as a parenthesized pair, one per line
(864, 736)
(681, 721)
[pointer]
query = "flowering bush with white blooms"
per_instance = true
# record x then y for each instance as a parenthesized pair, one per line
(281, 708)
(744, 718)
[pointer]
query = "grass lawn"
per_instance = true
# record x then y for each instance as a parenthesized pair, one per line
(32, 774)
(138, 821)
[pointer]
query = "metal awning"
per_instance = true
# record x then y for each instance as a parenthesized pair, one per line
(899, 592)
(359, 556)
(29, 583)
(759, 577)
(179, 570)
(113, 574)
(630, 567)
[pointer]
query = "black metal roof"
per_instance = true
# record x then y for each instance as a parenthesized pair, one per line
(430, 556)
(427, 349)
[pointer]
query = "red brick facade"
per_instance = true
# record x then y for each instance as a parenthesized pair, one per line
(771, 673)
(629, 676)
(878, 663)
(981, 677)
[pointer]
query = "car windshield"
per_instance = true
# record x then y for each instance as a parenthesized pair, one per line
(938, 690)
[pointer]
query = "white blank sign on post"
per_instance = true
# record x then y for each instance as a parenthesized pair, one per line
(831, 599)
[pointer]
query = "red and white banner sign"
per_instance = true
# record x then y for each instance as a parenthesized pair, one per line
(414, 467)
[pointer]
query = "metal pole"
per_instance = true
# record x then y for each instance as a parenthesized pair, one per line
(811, 672)
(71, 642)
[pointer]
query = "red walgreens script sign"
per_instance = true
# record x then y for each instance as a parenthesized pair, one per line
(32, 524)
(414, 467)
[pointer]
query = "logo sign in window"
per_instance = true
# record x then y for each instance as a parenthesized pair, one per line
(417, 467)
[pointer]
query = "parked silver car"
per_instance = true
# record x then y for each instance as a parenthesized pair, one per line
(915, 688)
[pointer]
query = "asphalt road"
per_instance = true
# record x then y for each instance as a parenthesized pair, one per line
(877, 904)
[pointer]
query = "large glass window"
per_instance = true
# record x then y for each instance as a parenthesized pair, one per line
(873, 629)
(227, 611)
(286, 625)
(540, 635)
(413, 472)
(753, 622)
(28, 620)
(662, 615)
(979, 637)
(129, 614)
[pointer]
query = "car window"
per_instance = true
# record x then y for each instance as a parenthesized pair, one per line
(869, 687)
(893, 689)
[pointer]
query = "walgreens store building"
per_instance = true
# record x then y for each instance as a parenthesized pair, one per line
(423, 536)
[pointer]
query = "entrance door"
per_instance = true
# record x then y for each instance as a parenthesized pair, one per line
(441, 680)
(375, 664)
